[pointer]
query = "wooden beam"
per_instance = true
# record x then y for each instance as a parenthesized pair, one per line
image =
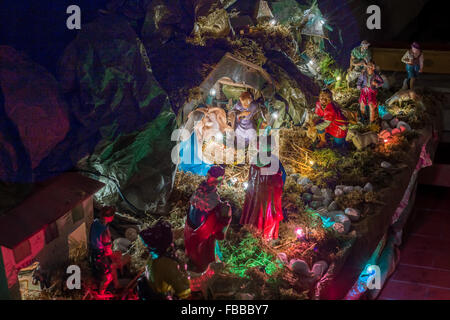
(390, 60)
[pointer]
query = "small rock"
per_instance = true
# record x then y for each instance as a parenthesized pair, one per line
(333, 206)
(386, 165)
(368, 187)
(338, 192)
(339, 227)
(341, 186)
(315, 204)
(403, 124)
(326, 202)
(344, 220)
(299, 267)
(282, 257)
(327, 193)
(315, 190)
(387, 116)
(348, 189)
(319, 268)
(307, 197)
(393, 123)
(358, 188)
(305, 181)
(353, 214)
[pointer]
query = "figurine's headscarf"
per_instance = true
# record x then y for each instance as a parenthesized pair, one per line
(206, 197)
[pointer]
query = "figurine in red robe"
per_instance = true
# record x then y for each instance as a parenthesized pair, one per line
(207, 221)
(262, 206)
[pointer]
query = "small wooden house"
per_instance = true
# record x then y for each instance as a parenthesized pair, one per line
(44, 228)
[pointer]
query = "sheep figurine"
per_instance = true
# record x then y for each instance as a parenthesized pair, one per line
(405, 95)
(361, 140)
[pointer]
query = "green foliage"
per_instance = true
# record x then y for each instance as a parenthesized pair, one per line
(248, 254)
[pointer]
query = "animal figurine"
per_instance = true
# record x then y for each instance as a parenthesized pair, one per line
(361, 140)
(404, 95)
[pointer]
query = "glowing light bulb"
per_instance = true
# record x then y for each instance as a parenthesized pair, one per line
(338, 78)
(322, 21)
(299, 232)
(219, 136)
(245, 185)
(233, 180)
(311, 62)
(273, 22)
(212, 92)
(311, 162)
(275, 115)
(385, 140)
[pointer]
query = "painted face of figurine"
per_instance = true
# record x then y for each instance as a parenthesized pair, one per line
(324, 99)
(245, 102)
(415, 51)
(370, 68)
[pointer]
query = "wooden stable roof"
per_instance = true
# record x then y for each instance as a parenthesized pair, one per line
(45, 206)
(237, 71)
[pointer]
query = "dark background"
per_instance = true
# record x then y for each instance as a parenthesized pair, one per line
(39, 27)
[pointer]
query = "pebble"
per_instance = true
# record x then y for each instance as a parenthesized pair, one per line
(319, 268)
(393, 123)
(344, 220)
(348, 189)
(282, 257)
(340, 186)
(339, 227)
(386, 165)
(368, 187)
(304, 181)
(338, 192)
(333, 206)
(326, 202)
(358, 188)
(353, 214)
(300, 267)
(327, 193)
(403, 124)
(387, 116)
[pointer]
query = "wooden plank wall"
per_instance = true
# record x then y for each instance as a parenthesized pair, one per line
(390, 60)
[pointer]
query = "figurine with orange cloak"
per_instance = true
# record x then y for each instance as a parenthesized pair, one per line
(262, 206)
(207, 221)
